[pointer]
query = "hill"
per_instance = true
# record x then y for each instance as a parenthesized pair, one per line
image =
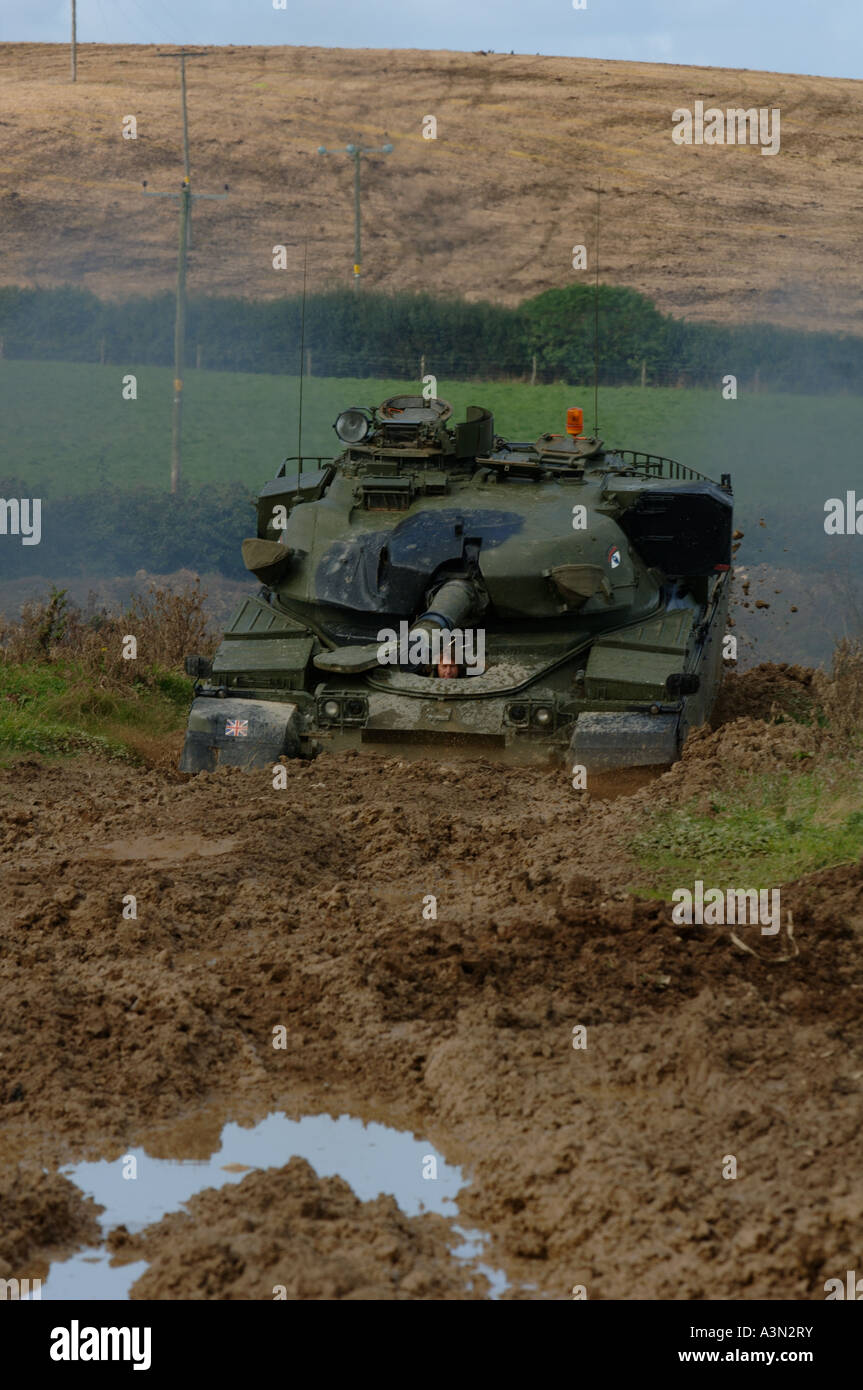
(491, 208)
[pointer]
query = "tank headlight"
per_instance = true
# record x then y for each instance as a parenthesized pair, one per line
(332, 709)
(353, 426)
(518, 714)
(542, 716)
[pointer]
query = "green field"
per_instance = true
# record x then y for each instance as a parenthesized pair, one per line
(67, 430)
(57, 709)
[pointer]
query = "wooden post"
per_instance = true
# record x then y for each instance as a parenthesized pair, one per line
(179, 342)
(422, 367)
(198, 356)
(644, 371)
(101, 352)
(533, 370)
(308, 361)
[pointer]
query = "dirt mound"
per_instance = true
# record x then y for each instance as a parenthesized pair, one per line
(287, 1233)
(43, 1216)
(511, 131)
(311, 908)
(767, 692)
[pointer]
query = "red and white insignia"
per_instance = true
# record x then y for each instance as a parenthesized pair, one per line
(237, 728)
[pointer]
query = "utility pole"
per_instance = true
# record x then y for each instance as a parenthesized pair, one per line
(183, 54)
(74, 41)
(185, 198)
(356, 152)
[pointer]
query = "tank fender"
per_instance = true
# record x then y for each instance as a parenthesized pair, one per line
(239, 733)
(601, 742)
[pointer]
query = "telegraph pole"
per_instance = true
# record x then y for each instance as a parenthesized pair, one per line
(179, 339)
(356, 152)
(185, 199)
(74, 41)
(183, 54)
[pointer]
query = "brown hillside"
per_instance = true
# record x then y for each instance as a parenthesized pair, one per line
(490, 209)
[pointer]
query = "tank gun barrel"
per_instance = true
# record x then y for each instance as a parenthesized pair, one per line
(456, 601)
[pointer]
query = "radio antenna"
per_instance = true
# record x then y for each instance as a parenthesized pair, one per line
(596, 319)
(302, 356)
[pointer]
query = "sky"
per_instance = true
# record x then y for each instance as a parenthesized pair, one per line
(799, 36)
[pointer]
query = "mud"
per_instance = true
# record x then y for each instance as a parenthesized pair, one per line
(42, 1216)
(288, 1233)
(157, 849)
(599, 1167)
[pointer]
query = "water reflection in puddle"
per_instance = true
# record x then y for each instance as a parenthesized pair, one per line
(371, 1158)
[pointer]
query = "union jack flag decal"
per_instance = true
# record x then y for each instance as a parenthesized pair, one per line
(237, 728)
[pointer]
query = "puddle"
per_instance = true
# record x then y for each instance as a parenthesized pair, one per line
(371, 1158)
(163, 848)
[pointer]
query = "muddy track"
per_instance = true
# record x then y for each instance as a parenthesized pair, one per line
(599, 1166)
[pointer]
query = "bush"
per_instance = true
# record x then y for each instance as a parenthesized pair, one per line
(167, 625)
(841, 694)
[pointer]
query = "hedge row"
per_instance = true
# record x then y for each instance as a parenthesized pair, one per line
(549, 338)
(121, 532)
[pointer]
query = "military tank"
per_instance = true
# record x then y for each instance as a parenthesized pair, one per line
(436, 586)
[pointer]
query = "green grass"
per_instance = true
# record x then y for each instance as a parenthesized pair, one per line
(67, 429)
(764, 831)
(57, 709)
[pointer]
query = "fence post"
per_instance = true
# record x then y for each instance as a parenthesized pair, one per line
(533, 370)
(644, 371)
(101, 352)
(422, 366)
(198, 356)
(308, 361)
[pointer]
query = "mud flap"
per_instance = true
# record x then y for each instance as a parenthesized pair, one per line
(605, 741)
(239, 733)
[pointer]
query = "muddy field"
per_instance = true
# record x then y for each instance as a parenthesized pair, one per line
(490, 209)
(257, 909)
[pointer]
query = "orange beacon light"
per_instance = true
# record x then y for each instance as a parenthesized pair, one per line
(575, 421)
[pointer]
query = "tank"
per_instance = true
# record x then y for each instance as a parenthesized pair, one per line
(437, 587)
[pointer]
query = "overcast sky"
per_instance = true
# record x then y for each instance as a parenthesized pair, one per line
(779, 35)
